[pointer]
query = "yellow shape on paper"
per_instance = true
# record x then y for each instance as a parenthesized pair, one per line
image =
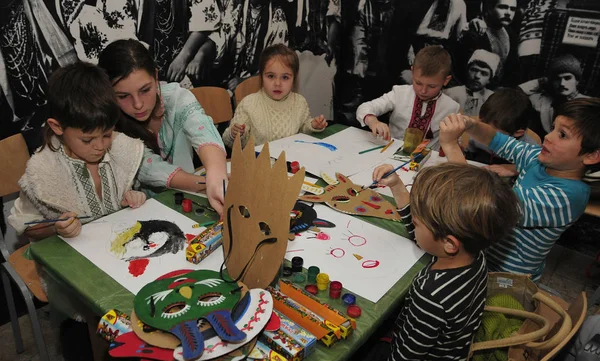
(117, 246)
(358, 256)
(328, 179)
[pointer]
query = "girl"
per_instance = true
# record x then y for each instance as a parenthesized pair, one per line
(275, 111)
(83, 168)
(169, 120)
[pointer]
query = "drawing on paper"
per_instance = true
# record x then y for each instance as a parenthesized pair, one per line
(304, 217)
(331, 147)
(146, 239)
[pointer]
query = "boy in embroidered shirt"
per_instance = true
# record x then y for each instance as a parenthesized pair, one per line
(420, 105)
(457, 212)
(549, 184)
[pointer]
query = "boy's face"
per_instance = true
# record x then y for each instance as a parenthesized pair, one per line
(428, 87)
(88, 147)
(562, 146)
(564, 84)
(479, 77)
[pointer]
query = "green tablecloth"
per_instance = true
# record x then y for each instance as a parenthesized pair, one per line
(101, 293)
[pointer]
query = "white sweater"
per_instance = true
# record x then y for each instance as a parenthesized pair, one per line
(400, 102)
(267, 119)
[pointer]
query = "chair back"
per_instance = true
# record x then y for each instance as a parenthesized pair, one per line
(247, 87)
(215, 101)
(534, 136)
(13, 160)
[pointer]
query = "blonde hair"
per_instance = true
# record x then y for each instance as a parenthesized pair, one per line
(433, 60)
(472, 204)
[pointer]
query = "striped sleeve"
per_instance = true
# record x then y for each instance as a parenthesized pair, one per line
(406, 219)
(420, 329)
(513, 150)
(545, 206)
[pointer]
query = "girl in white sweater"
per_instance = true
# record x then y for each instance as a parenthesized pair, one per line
(275, 111)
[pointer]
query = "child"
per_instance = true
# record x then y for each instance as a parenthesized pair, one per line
(421, 105)
(84, 168)
(275, 111)
(549, 184)
(169, 120)
(457, 212)
(509, 110)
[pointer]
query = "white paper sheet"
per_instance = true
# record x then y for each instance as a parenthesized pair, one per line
(95, 239)
(346, 251)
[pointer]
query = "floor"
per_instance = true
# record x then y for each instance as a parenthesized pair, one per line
(565, 274)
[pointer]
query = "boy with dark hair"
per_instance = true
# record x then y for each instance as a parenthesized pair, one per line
(549, 184)
(421, 105)
(457, 212)
(509, 111)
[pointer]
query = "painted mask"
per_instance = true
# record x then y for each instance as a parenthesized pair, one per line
(350, 198)
(176, 301)
(258, 203)
(304, 217)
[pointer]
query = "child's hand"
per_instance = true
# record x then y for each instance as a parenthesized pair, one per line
(377, 127)
(319, 122)
(503, 170)
(69, 228)
(238, 129)
(133, 199)
(214, 190)
(451, 128)
(392, 181)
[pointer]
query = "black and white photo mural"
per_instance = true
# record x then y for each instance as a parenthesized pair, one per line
(351, 51)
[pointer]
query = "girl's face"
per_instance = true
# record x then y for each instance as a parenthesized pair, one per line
(88, 147)
(277, 79)
(136, 94)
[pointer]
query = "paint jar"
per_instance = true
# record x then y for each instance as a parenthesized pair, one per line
(322, 281)
(187, 205)
(313, 271)
(348, 299)
(294, 167)
(412, 138)
(312, 289)
(297, 263)
(335, 289)
(299, 277)
(178, 197)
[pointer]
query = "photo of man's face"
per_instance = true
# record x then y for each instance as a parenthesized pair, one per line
(564, 84)
(503, 13)
(479, 77)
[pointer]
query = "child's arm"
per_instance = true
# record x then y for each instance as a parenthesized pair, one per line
(310, 124)
(156, 172)
(133, 199)
(368, 112)
(400, 193)
(24, 211)
(239, 125)
(451, 128)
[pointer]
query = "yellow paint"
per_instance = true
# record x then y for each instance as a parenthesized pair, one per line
(186, 292)
(117, 246)
(358, 256)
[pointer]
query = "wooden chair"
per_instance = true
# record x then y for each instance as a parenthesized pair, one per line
(216, 103)
(13, 160)
(247, 87)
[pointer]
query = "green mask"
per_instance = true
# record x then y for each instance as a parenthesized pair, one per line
(175, 301)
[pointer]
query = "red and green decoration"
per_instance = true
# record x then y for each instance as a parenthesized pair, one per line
(175, 302)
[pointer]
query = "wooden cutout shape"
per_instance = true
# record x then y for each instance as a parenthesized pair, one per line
(350, 198)
(258, 203)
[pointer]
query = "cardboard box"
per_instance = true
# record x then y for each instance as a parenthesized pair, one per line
(205, 243)
(300, 335)
(264, 352)
(113, 324)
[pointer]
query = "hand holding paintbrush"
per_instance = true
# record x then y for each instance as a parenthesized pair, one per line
(393, 171)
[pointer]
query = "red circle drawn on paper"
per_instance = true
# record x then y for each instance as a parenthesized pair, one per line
(370, 263)
(336, 252)
(357, 241)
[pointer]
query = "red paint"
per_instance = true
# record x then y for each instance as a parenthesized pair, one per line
(389, 211)
(323, 236)
(371, 205)
(337, 252)
(137, 267)
(370, 264)
(189, 237)
(274, 323)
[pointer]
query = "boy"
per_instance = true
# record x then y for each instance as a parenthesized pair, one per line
(549, 184)
(509, 111)
(421, 105)
(457, 212)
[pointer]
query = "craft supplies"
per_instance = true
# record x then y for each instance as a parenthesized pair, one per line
(348, 299)
(54, 220)
(387, 146)
(354, 311)
(299, 277)
(415, 159)
(335, 289)
(290, 340)
(297, 263)
(204, 243)
(178, 196)
(371, 149)
(312, 289)
(113, 324)
(186, 204)
(322, 281)
(294, 167)
(313, 271)
(287, 271)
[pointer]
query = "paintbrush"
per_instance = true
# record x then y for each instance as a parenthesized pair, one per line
(415, 159)
(54, 220)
